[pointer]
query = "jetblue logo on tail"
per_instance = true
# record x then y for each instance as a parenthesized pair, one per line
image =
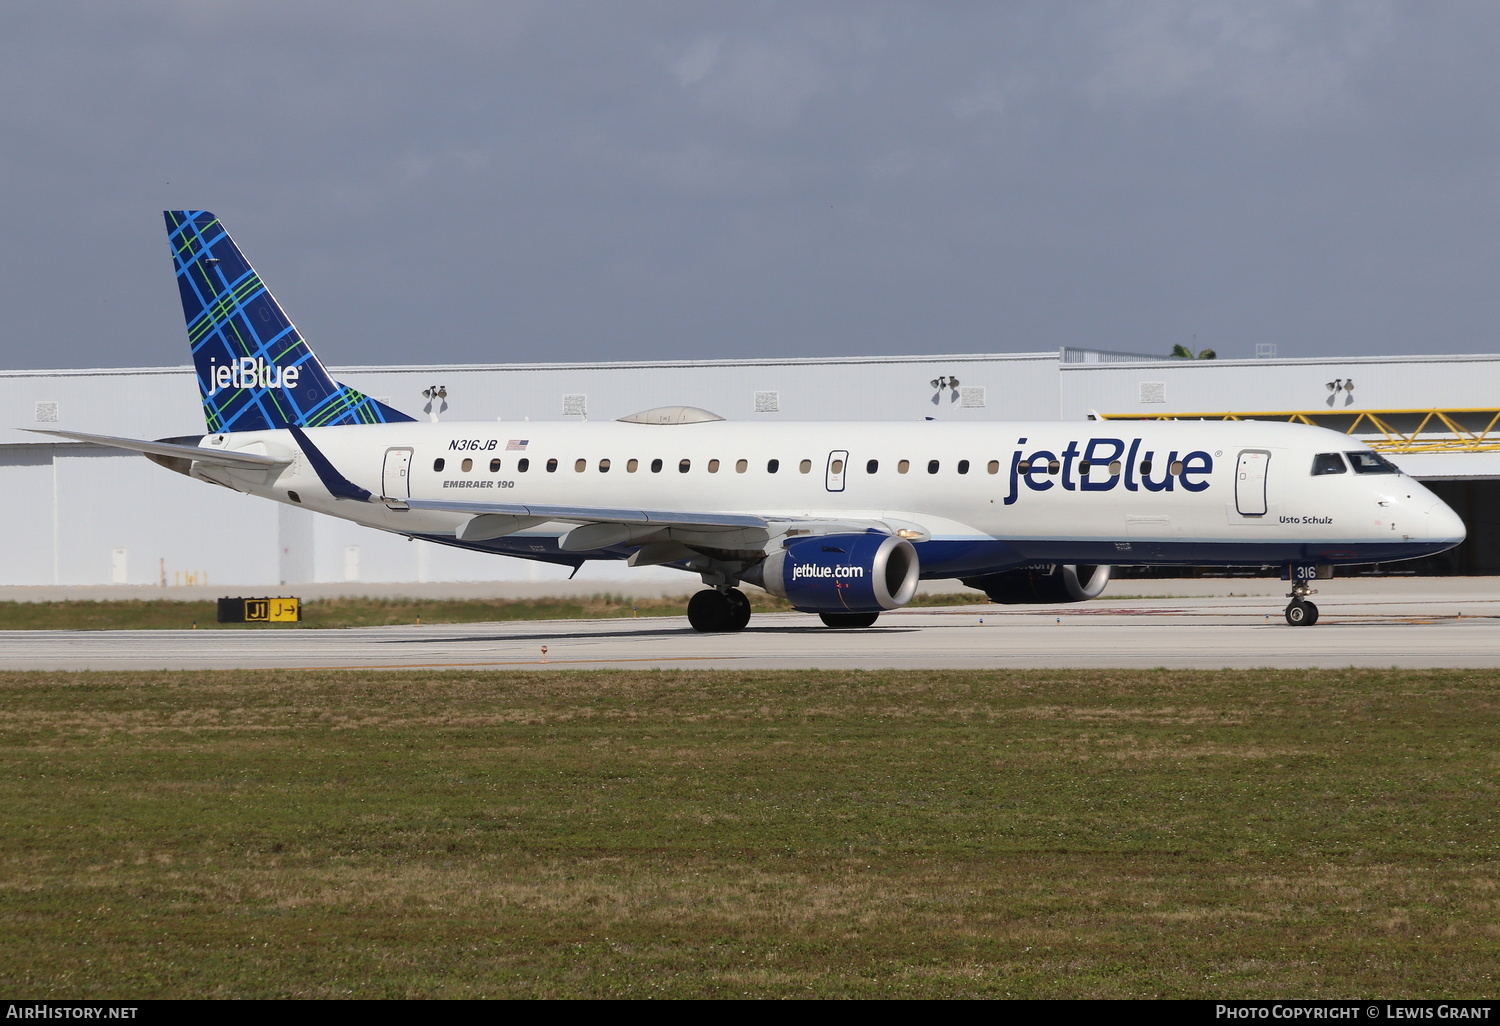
(249, 372)
(255, 370)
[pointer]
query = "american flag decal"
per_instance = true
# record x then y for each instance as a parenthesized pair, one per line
(517, 445)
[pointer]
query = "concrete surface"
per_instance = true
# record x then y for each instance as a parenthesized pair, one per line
(1427, 622)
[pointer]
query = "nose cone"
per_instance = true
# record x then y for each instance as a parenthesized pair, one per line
(1444, 527)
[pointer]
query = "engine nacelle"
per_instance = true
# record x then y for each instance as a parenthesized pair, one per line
(841, 573)
(1043, 584)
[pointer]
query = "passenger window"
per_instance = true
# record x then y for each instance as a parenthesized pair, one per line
(1175, 469)
(994, 467)
(837, 467)
(740, 466)
(1328, 463)
(552, 466)
(772, 466)
(494, 466)
(604, 466)
(1115, 468)
(1371, 463)
(1054, 467)
(684, 466)
(963, 466)
(523, 465)
(466, 466)
(656, 466)
(438, 464)
(1084, 466)
(631, 466)
(1145, 466)
(932, 466)
(872, 467)
(805, 467)
(1024, 467)
(579, 466)
(713, 466)
(903, 466)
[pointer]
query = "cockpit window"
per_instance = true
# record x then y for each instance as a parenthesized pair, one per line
(1371, 463)
(1328, 463)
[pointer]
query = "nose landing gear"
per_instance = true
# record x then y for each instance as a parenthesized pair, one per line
(1299, 611)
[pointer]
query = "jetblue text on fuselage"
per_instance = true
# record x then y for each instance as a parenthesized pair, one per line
(1095, 468)
(250, 372)
(801, 570)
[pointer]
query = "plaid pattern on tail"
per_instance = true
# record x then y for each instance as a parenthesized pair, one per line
(255, 371)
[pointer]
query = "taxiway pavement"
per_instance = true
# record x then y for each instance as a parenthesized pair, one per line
(1404, 624)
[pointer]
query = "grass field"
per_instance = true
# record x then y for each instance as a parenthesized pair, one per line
(1038, 834)
(365, 612)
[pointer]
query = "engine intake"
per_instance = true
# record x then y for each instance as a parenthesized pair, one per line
(839, 573)
(1044, 584)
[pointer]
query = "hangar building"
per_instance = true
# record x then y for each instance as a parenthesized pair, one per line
(80, 515)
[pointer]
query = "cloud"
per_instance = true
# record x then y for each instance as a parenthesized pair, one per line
(1276, 60)
(700, 59)
(462, 181)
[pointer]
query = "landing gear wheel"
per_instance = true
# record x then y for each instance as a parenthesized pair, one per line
(710, 611)
(848, 619)
(739, 610)
(1301, 614)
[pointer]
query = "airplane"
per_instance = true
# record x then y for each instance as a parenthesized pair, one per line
(841, 519)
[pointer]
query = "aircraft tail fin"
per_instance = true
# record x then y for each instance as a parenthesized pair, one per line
(255, 371)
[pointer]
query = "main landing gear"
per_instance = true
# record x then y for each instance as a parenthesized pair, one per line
(715, 611)
(1299, 611)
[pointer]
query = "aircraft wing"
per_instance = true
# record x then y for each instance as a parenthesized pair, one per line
(596, 514)
(239, 460)
(603, 526)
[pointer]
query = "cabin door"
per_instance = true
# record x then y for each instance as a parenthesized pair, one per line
(395, 481)
(1250, 483)
(838, 462)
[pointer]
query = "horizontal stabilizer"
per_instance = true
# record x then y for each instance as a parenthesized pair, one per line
(218, 457)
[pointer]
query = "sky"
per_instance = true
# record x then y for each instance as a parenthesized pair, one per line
(479, 182)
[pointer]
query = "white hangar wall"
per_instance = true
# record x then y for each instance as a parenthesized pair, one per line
(81, 514)
(85, 515)
(1208, 386)
(1015, 386)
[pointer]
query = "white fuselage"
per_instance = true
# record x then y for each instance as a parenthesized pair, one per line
(979, 497)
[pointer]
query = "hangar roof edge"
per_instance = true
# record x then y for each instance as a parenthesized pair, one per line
(1283, 361)
(1135, 360)
(429, 368)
